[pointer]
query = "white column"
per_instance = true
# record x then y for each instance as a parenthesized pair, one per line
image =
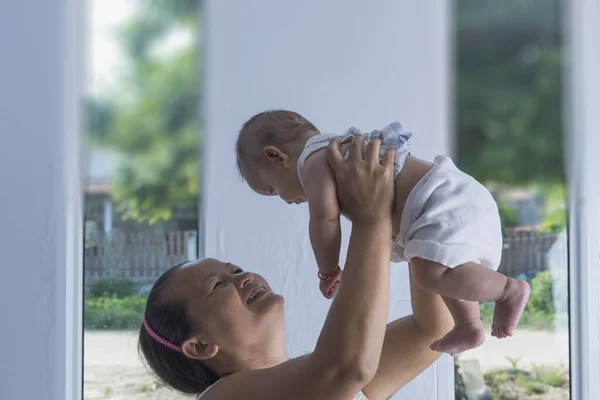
(583, 127)
(40, 201)
(339, 63)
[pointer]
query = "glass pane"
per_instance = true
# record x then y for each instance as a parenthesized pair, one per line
(141, 194)
(509, 132)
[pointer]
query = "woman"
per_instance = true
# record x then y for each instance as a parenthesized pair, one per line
(208, 322)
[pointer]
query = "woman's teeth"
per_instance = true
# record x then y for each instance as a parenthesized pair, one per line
(254, 294)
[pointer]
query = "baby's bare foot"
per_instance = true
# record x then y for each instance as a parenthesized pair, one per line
(508, 311)
(463, 337)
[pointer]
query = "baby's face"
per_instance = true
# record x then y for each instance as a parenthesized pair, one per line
(278, 181)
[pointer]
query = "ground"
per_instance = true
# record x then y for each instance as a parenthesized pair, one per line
(113, 370)
(527, 347)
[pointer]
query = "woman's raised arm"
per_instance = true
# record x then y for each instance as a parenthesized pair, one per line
(406, 350)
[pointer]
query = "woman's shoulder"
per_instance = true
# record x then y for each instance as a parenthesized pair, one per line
(240, 385)
(297, 378)
(244, 383)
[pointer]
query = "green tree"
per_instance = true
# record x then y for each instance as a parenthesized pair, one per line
(508, 216)
(509, 90)
(153, 119)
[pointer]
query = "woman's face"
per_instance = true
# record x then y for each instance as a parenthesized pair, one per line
(233, 309)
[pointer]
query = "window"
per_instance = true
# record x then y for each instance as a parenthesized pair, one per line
(141, 192)
(510, 137)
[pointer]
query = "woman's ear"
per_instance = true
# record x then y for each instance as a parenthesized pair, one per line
(193, 348)
(277, 156)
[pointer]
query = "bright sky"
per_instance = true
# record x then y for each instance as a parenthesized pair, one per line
(104, 56)
(105, 60)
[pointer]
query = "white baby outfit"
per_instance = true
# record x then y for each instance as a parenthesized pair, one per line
(448, 217)
(392, 136)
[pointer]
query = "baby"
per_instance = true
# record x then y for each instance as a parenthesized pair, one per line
(445, 223)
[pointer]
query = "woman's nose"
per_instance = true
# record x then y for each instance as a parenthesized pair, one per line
(244, 278)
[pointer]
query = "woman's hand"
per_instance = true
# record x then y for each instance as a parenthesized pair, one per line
(365, 187)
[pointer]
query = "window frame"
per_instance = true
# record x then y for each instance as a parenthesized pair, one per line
(73, 36)
(581, 18)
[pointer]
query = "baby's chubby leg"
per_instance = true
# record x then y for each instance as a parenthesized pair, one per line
(473, 282)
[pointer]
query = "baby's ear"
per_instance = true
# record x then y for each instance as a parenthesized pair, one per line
(276, 156)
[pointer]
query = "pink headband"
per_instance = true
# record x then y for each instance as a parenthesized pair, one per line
(159, 338)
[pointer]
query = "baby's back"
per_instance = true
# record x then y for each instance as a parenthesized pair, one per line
(392, 136)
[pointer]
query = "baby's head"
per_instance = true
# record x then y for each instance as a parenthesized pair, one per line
(267, 152)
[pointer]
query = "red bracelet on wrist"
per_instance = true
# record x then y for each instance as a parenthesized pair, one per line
(324, 277)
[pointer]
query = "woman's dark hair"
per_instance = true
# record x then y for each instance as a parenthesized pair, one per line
(169, 318)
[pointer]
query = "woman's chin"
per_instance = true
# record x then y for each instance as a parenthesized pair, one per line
(271, 303)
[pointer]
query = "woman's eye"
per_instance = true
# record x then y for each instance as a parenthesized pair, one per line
(239, 271)
(218, 284)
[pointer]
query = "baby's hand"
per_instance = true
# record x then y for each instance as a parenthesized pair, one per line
(329, 286)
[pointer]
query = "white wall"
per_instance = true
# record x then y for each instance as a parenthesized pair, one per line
(339, 63)
(39, 201)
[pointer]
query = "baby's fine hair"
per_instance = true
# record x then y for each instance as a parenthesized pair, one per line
(269, 128)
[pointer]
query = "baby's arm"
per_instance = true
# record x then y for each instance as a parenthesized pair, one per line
(324, 228)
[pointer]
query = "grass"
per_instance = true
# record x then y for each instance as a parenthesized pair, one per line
(518, 384)
(524, 381)
(550, 375)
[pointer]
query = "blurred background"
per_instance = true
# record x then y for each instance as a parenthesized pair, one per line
(144, 89)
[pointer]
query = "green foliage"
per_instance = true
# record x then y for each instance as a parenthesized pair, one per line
(509, 90)
(152, 121)
(514, 361)
(508, 216)
(519, 384)
(554, 213)
(109, 286)
(160, 134)
(524, 381)
(550, 375)
(114, 313)
(540, 303)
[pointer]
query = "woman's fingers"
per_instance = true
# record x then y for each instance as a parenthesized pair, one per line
(388, 159)
(372, 156)
(334, 156)
(356, 148)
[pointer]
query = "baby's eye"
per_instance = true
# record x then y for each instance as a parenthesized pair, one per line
(238, 271)
(219, 283)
